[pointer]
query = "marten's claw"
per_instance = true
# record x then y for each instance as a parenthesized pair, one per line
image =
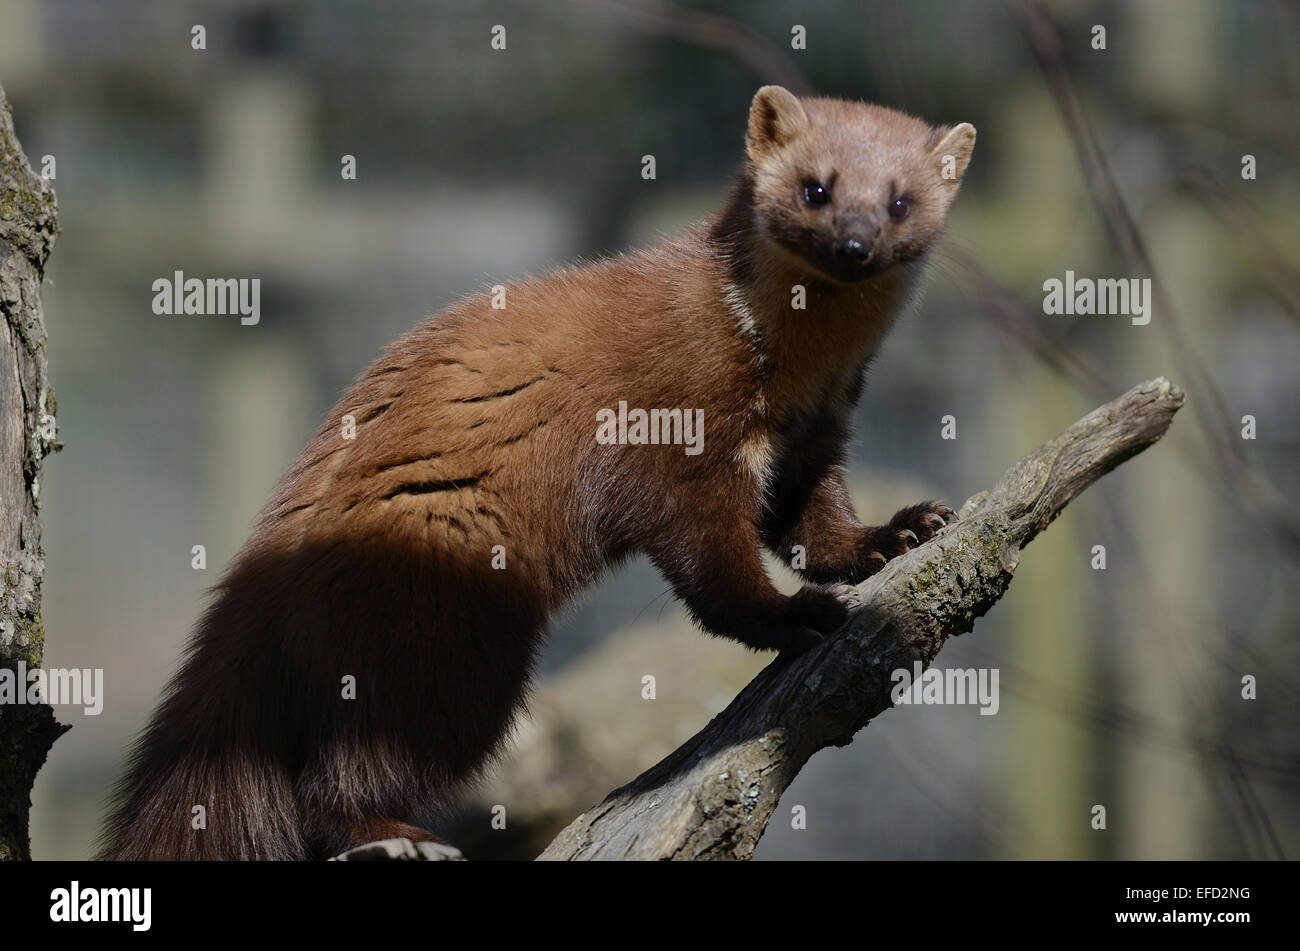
(847, 595)
(908, 529)
(935, 521)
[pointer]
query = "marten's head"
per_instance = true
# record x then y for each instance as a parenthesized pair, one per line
(850, 188)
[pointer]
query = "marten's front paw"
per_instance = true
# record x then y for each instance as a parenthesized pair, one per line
(908, 528)
(814, 612)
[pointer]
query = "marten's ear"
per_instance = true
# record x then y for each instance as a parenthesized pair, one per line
(952, 150)
(775, 117)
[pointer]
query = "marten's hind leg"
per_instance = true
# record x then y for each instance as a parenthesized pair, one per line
(394, 840)
(375, 830)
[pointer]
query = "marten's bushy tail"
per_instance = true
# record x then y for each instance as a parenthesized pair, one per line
(339, 687)
(246, 813)
(202, 781)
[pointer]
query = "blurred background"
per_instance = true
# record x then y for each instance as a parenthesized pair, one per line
(1120, 687)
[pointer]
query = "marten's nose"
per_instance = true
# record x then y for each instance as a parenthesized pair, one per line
(852, 250)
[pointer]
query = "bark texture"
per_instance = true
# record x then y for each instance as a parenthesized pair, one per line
(28, 226)
(712, 798)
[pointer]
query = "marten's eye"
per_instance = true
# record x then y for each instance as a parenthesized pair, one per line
(900, 208)
(814, 193)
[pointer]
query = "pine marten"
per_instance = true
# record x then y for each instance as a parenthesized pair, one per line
(368, 649)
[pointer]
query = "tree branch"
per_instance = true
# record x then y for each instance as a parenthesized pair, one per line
(712, 798)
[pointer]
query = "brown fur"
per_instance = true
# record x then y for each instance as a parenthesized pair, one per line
(374, 558)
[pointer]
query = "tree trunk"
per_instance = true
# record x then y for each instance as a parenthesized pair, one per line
(28, 226)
